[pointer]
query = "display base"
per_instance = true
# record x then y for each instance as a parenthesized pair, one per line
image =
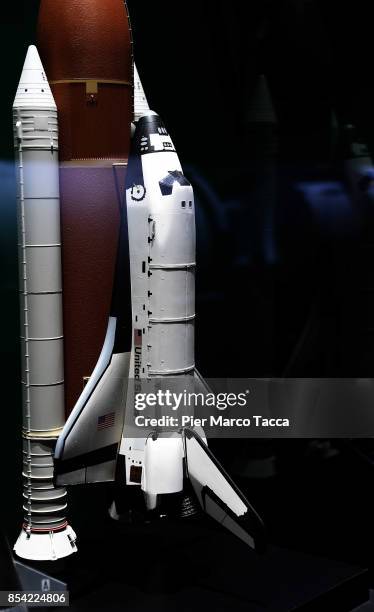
(188, 564)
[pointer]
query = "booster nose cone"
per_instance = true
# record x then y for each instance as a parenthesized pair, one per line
(86, 49)
(141, 106)
(33, 88)
(32, 60)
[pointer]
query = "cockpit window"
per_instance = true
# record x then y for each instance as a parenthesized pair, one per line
(167, 183)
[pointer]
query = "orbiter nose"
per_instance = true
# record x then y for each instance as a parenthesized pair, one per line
(151, 135)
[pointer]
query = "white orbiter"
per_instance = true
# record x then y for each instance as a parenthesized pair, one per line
(151, 336)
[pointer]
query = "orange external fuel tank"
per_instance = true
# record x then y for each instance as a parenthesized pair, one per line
(86, 50)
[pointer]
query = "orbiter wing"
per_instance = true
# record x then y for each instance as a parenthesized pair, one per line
(219, 497)
(86, 450)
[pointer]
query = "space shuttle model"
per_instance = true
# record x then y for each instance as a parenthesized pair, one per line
(150, 336)
(73, 115)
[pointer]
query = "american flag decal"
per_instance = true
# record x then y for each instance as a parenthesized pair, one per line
(106, 420)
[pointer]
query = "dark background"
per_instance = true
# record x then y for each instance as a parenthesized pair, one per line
(304, 305)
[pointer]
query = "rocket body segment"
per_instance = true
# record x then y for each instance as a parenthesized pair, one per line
(36, 145)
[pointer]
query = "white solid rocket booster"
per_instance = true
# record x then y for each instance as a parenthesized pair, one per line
(45, 534)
